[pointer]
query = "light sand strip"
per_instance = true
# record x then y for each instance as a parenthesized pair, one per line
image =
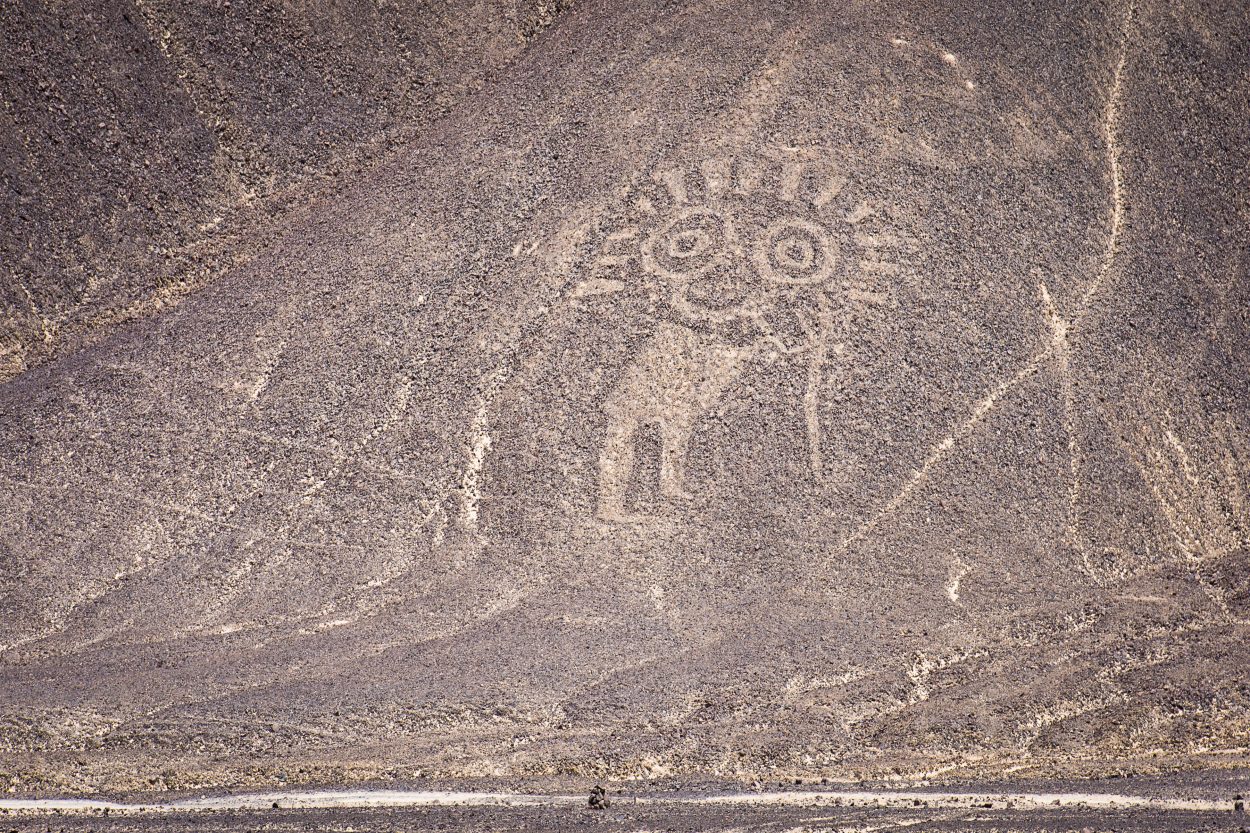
(1020, 801)
(396, 798)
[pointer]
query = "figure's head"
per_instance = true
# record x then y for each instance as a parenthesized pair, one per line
(724, 259)
(737, 237)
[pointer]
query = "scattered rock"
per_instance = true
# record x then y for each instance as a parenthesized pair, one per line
(599, 798)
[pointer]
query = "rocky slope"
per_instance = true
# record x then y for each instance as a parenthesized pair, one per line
(778, 389)
(151, 145)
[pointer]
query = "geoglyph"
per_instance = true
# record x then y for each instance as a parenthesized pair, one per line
(765, 259)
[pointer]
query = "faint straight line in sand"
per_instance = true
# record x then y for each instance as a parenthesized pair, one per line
(1061, 348)
(939, 451)
(99, 492)
(479, 442)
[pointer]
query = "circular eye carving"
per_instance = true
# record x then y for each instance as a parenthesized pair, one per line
(796, 252)
(688, 245)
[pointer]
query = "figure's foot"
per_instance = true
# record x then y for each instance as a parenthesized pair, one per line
(616, 513)
(673, 491)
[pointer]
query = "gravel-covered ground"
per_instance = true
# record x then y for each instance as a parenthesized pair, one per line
(692, 389)
(626, 818)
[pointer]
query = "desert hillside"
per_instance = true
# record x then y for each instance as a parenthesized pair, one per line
(633, 389)
(149, 146)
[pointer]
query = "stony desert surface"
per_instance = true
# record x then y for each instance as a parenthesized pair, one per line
(523, 395)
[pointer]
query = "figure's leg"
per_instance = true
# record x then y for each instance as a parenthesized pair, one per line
(616, 465)
(710, 371)
(675, 431)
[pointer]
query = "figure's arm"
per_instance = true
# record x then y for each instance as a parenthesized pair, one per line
(801, 347)
(806, 334)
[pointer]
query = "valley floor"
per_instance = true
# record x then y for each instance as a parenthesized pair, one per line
(1193, 807)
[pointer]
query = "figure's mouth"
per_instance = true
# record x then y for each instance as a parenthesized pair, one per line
(718, 290)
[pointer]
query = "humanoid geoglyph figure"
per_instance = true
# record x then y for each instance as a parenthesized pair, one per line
(734, 287)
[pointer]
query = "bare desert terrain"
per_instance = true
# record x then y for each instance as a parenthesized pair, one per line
(688, 396)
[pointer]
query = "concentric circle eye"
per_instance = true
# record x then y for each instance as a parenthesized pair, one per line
(793, 251)
(688, 245)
